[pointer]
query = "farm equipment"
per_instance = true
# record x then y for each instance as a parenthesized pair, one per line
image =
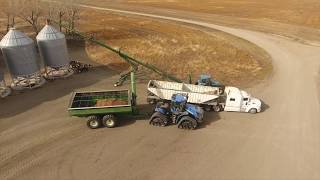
(208, 97)
(79, 67)
(103, 107)
(178, 111)
(205, 80)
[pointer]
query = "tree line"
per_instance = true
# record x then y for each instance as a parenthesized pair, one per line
(33, 12)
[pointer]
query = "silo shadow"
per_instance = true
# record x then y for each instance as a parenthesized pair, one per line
(22, 101)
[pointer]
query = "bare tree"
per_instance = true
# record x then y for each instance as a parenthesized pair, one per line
(56, 12)
(10, 10)
(72, 15)
(31, 13)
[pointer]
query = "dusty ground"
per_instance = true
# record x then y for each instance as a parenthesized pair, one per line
(39, 141)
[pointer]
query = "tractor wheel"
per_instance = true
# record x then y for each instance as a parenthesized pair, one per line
(93, 122)
(158, 119)
(253, 111)
(187, 123)
(109, 121)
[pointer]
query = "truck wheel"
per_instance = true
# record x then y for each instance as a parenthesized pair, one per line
(217, 108)
(187, 123)
(158, 119)
(253, 111)
(93, 122)
(207, 108)
(109, 121)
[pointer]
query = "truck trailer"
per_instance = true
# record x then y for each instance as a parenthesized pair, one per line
(210, 98)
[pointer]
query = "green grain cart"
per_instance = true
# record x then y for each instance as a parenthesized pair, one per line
(102, 107)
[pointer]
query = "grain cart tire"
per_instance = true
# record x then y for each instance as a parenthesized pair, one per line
(109, 121)
(187, 123)
(158, 119)
(253, 111)
(94, 122)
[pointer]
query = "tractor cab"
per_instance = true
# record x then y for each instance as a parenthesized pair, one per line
(206, 80)
(178, 103)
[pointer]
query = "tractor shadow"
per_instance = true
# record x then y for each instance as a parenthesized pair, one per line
(21, 101)
(145, 112)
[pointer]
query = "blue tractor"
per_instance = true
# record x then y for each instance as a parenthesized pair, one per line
(206, 80)
(179, 112)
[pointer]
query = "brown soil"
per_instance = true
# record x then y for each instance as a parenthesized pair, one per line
(176, 49)
(111, 102)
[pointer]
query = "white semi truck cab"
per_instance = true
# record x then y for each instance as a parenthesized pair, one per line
(240, 101)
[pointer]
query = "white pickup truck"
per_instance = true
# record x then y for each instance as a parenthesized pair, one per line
(210, 98)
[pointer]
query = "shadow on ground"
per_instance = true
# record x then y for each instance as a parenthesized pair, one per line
(21, 101)
(264, 106)
(209, 118)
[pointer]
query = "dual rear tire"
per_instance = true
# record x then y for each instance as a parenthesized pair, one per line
(95, 122)
(216, 108)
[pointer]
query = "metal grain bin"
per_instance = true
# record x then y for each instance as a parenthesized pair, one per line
(53, 47)
(19, 52)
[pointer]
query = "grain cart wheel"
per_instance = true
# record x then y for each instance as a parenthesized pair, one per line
(109, 121)
(158, 119)
(187, 123)
(253, 111)
(93, 122)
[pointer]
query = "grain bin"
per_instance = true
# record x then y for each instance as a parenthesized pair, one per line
(20, 55)
(54, 53)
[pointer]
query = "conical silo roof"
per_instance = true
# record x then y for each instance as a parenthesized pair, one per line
(49, 33)
(15, 38)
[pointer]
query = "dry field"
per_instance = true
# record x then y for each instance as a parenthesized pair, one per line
(177, 49)
(300, 12)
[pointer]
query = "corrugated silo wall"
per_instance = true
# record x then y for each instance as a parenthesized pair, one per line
(21, 60)
(54, 52)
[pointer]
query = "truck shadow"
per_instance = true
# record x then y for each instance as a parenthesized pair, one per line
(264, 106)
(209, 118)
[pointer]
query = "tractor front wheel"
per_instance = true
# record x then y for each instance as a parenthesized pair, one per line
(187, 123)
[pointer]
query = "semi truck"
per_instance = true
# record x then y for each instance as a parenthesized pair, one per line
(210, 98)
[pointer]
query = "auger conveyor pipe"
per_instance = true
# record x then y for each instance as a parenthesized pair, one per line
(126, 57)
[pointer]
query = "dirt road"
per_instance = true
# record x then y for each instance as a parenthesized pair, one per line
(39, 141)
